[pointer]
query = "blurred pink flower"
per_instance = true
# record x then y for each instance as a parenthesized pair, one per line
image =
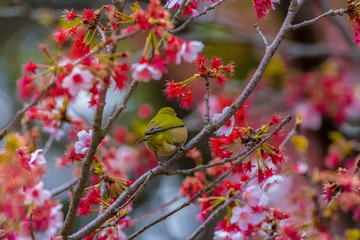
(271, 182)
(228, 127)
(311, 118)
(77, 80)
(224, 235)
(255, 197)
(246, 216)
(144, 72)
(37, 194)
(37, 158)
(189, 51)
(83, 144)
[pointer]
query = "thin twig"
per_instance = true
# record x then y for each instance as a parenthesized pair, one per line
(137, 193)
(331, 12)
(207, 105)
(58, 190)
(121, 107)
(201, 167)
(115, 221)
(147, 215)
(19, 114)
(179, 12)
(212, 184)
(213, 215)
(266, 42)
(32, 227)
(189, 20)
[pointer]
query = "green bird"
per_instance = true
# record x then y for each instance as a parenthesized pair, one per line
(165, 133)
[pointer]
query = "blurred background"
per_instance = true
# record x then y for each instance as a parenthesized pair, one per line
(314, 68)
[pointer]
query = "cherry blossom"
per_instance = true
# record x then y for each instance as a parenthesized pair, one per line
(189, 51)
(254, 196)
(37, 194)
(245, 216)
(77, 80)
(83, 144)
(37, 158)
(271, 182)
(228, 127)
(144, 72)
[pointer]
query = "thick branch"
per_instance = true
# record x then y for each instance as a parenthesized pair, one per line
(87, 162)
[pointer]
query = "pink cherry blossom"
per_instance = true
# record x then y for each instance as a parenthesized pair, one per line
(37, 158)
(37, 194)
(83, 144)
(77, 80)
(224, 235)
(228, 127)
(127, 156)
(246, 216)
(311, 118)
(189, 51)
(144, 72)
(255, 197)
(271, 182)
(54, 223)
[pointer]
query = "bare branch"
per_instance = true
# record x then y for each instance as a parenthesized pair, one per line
(207, 105)
(121, 107)
(189, 20)
(19, 114)
(331, 12)
(162, 207)
(63, 188)
(213, 215)
(87, 162)
(31, 227)
(261, 35)
(195, 169)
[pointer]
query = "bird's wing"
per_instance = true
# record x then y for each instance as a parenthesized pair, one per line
(163, 122)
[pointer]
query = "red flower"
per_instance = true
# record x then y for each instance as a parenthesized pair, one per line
(88, 15)
(174, 90)
(70, 15)
(30, 68)
(187, 101)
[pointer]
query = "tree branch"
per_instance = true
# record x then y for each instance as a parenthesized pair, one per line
(58, 190)
(213, 215)
(207, 105)
(189, 20)
(96, 139)
(266, 42)
(331, 12)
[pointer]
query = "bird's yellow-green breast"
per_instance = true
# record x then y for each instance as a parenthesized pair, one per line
(165, 133)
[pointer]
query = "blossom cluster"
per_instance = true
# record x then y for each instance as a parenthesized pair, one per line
(20, 171)
(216, 71)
